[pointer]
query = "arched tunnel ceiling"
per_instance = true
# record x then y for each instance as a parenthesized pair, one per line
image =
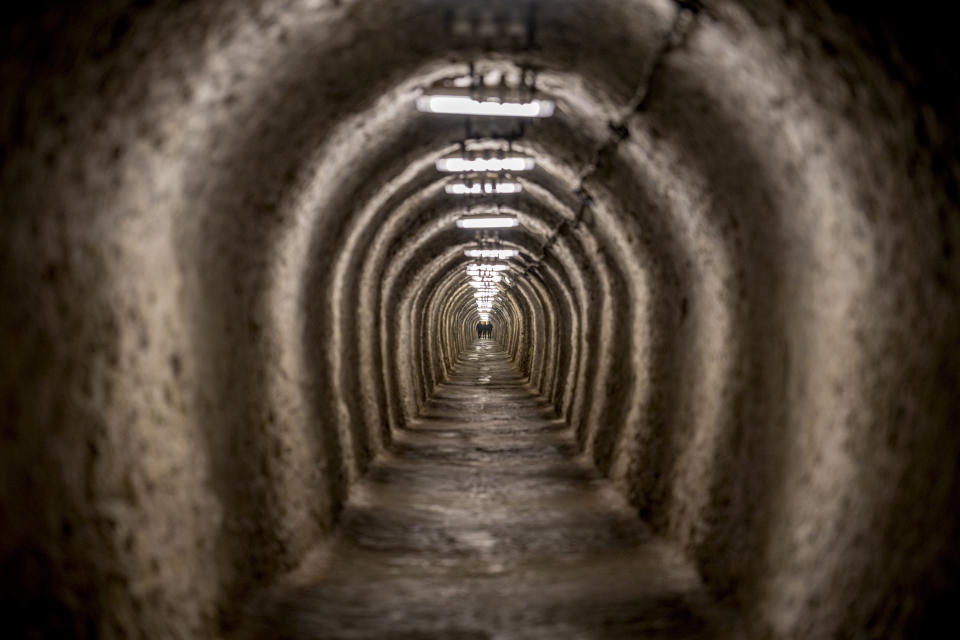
(228, 255)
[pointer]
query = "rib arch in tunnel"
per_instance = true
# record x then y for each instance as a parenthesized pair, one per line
(233, 290)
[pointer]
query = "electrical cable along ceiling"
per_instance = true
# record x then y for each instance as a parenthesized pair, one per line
(245, 248)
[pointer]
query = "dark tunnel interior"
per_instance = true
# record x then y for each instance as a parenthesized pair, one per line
(242, 392)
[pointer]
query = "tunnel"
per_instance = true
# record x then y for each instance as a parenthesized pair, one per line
(242, 392)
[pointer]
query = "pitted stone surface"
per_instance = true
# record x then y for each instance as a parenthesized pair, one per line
(481, 522)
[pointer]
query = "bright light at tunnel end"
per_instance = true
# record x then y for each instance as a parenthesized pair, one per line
(467, 106)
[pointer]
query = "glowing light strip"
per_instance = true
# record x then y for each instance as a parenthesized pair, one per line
(480, 165)
(467, 106)
(498, 222)
(501, 254)
(487, 267)
(461, 189)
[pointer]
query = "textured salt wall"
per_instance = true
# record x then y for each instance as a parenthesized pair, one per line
(229, 275)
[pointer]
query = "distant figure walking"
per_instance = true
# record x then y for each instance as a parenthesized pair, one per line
(488, 329)
(479, 329)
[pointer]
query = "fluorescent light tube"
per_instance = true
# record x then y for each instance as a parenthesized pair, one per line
(488, 267)
(501, 254)
(467, 106)
(496, 222)
(488, 188)
(482, 165)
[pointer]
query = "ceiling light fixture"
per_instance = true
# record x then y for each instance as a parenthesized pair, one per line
(483, 165)
(487, 188)
(501, 254)
(488, 267)
(466, 106)
(495, 222)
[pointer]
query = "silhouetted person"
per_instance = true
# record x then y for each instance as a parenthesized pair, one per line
(489, 329)
(479, 329)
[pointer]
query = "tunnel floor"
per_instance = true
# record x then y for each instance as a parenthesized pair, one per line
(483, 522)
